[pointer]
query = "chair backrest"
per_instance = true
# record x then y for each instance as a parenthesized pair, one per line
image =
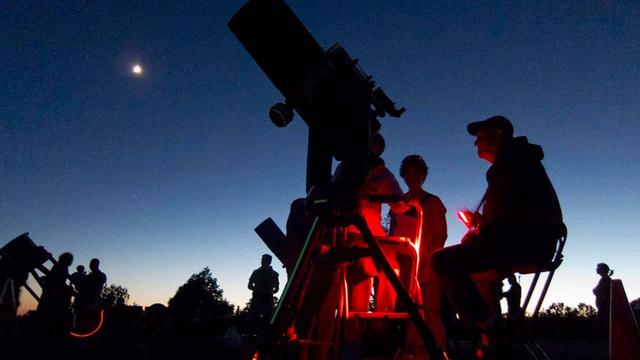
(551, 267)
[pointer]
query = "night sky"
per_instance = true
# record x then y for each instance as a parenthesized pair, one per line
(162, 174)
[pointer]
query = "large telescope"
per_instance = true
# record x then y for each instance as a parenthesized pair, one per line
(337, 100)
(341, 106)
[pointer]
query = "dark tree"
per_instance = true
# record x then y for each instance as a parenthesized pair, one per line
(559, 310)
(114, 296)
(587, 311)
(199, 303)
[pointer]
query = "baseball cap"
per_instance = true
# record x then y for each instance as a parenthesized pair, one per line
(495, 122)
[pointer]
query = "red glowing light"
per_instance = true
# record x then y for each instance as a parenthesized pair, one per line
(464, 217)
(94, 330)
(256, 355)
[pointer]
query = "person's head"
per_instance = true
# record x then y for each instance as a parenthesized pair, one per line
(94, 264)
(490, 134)
(65, 259)
(266, 260)
(377, 144)
(603, 270)
(512, 279)
(80, 268)
(414, 171)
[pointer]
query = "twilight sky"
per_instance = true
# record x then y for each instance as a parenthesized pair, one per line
(163, 174)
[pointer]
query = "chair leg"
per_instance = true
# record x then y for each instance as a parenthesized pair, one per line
(530, 292)
(544, 293)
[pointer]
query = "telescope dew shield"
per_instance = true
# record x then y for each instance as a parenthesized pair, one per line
(278, 42)
(21, 255)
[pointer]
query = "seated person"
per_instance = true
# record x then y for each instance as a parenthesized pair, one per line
(520, 222)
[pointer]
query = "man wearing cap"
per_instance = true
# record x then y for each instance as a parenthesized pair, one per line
(519, 224)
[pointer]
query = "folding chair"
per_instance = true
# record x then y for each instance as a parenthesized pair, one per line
(549, 267)
(534, 350)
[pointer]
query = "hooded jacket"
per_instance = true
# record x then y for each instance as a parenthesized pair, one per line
(519, 191)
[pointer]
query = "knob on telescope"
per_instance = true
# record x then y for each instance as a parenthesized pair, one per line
(281, 114)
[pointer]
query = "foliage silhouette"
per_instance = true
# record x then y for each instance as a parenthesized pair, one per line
(560, 310)
(114, 296)
(199, 303)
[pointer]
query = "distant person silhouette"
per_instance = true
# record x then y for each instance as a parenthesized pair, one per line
(513, 296)
(89, 290)
(602, 291)
(78, 277)
(93, 284)
(264, 283)
(54, 306)
(519, 224)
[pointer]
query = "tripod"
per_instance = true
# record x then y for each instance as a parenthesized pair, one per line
(304, 297)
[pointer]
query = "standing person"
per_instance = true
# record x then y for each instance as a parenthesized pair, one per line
(78, 277)
(54, 308)
(414, 172)
(94, 282)
(513, 296)
(264, 284)
(520, 222)
(87, 302)
(603, 293)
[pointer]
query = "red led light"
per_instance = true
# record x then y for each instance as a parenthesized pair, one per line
(466, 220)
(94, 330)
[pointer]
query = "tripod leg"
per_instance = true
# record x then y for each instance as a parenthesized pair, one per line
(343, 311)
(290, 308)
(381, 261)
(13, 295)
(4, 288)
(33, 293)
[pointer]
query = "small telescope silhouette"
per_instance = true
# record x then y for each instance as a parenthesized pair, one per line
(21, 257)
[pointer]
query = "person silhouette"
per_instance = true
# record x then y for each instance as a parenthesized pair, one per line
(513, 296)
(264, 284)
(414, 172)
(77, 277)
(602, 291)
(519, 225)
(89, 290)
(93, 283)
(380, 182)
(54, 309)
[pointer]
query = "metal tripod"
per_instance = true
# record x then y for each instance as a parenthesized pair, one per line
(295, 295)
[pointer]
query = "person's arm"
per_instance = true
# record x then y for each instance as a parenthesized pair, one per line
(434, 223)
(434, 233)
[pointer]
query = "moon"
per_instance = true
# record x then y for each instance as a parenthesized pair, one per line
(136, 69)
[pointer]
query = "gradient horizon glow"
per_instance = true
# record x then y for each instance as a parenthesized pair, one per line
(163, 174)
